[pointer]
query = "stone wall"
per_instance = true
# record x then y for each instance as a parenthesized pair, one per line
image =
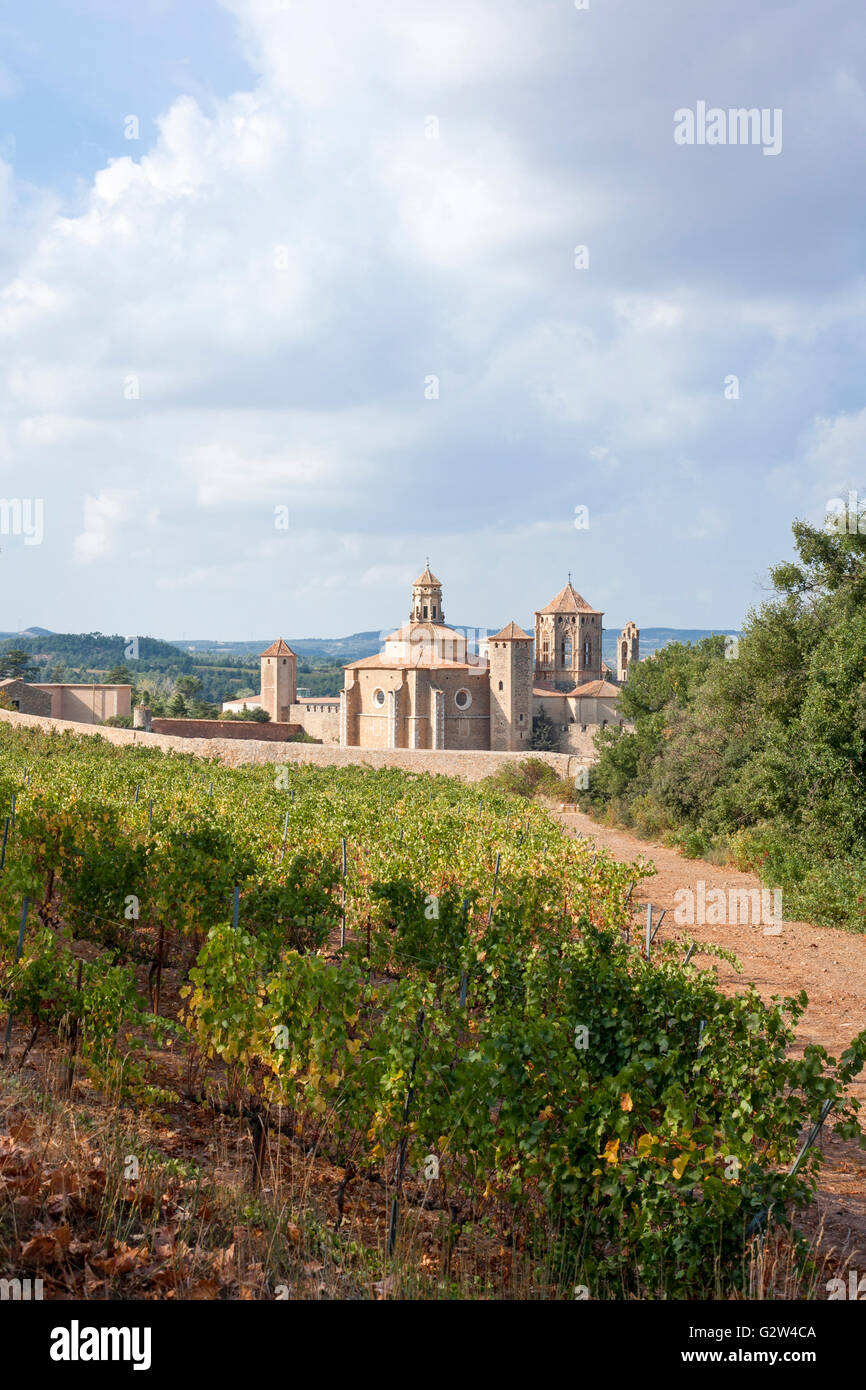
(320, 719)
(87, 704)
(248, 729)
(471, 767)
(26, 698)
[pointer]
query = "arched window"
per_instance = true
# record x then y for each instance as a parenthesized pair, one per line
(566, 652)
(587, 652)
(501, 686)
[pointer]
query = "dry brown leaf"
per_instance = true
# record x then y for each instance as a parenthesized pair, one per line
(23, 1187)
(163, 1243)
(204, 1289)
(223, 1264)
(24, 1208)
(41, 1249)
(120, 1263)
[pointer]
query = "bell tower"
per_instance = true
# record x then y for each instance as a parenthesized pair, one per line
(628, 650)
(426, 599)
(568, 635)
(279, 680)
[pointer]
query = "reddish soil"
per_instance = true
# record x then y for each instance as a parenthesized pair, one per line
(829, 964)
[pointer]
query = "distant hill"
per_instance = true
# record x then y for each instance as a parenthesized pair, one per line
(339, 650)
(652, 639)
(96, 651)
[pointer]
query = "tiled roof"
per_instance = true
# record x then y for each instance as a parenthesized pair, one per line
(427, 578)
(592, 689)
(279, 648)
(511, 633)
(568, 600)
(383, 663)
(436, 632)
(596, 688)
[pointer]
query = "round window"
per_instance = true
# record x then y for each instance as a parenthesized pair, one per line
(378, 697)
(463, 699)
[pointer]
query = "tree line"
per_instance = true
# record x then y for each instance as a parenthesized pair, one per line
(754, 752)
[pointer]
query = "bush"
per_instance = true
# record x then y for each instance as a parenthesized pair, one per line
(530, 778)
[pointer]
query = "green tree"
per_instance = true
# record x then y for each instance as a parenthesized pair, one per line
(119, 675)
(17, 664)
(189, 685)
(544, 737)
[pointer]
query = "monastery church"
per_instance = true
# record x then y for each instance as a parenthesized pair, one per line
(430, 687)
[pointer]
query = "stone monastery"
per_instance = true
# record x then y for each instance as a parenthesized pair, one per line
(431, 687)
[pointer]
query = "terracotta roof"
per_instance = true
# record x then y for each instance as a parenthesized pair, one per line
(278, 648)
(435, 631)
(427, 578)
(510, 633)
(596, 688)
(389, 664)
(568, 600)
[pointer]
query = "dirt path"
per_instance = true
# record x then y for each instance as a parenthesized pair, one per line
(828, 963)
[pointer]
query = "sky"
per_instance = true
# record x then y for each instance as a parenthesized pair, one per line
(292, 297)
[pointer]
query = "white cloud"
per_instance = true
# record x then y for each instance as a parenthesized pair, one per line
(104, 518)
(282, 267)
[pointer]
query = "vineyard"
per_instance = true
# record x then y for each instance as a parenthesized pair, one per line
(425, 985)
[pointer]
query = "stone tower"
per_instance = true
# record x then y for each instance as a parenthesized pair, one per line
(426, 599)
(279, 680)
(510, 656)
(567, 641)
(627, 650)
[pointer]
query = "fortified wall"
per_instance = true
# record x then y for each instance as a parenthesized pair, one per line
(250, 732)
(471, 767)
